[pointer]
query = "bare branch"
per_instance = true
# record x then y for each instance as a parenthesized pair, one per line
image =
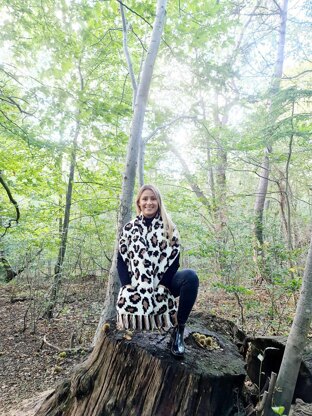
(12, 200)
(134, 12)
(126, 51)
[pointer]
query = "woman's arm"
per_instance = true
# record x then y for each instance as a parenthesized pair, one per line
(123, 271)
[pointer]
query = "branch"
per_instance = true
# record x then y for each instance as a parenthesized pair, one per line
(146, 21)
(307, 71)
(134, 12)
(10, 100)
(126, 51)
(139, 39)
(69, 350)
(195, 188)
(12, 200)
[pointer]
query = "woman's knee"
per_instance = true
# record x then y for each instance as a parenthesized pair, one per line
(191, 277)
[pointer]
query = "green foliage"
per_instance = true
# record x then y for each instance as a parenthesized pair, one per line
(63, 64)
(233, 289)
(279, 410)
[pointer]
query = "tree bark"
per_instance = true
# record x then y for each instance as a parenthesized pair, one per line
(288, 373)
(130, 375)
(142, 161)
(132, 157)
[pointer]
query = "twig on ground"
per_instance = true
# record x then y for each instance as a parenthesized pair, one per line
(68, 350)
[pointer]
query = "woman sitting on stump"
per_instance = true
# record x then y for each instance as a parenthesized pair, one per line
(148, 262)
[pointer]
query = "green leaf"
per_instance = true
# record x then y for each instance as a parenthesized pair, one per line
(279, 410)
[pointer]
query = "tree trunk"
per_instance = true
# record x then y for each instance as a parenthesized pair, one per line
(258, 221)
(58, 269)
(287, 376)
(131, 375)
(264, 174)
(141, 161)
(211, 182)
(220, 188)
(132, 157)
(220, 121)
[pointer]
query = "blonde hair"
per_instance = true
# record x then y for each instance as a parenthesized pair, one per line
(168, 224)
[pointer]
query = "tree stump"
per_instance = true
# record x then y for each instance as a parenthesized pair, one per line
(135, 374)
(272, 349)
(301, 409)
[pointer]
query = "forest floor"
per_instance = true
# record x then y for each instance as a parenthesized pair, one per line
(29, 365)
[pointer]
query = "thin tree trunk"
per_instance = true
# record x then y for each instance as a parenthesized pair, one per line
(260, 200)
(58, 269)
(211, 176)
(264, 174)
(287, 187)
(282, 202)
(220, 170)
(288, 373)
(132, 158)
(126, 52)
(141, 161)
(221, 190)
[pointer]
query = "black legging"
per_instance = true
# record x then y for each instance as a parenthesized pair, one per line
(185, 285)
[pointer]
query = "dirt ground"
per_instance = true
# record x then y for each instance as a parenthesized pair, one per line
(29, 365)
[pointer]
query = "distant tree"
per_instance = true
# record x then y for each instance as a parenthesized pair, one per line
(265, 166)
(58, 269)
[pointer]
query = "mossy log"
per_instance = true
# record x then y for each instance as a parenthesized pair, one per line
(135, 374)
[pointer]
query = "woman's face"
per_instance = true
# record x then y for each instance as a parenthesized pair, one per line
(148, 203)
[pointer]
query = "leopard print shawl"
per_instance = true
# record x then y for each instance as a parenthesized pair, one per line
(147, 254)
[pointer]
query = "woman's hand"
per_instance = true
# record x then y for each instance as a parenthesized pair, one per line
(161, 289)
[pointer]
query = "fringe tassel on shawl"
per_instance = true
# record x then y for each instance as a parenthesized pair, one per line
(145, 322)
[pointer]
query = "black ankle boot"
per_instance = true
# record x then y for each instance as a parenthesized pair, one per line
(177, 342)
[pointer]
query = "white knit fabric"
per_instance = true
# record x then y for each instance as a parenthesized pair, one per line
(147, 254)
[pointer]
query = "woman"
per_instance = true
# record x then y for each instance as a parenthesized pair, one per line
(148, 262)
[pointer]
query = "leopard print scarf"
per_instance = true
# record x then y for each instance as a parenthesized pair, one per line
(147, 254)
